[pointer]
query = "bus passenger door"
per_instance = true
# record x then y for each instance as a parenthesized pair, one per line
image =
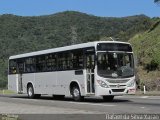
(90, 66)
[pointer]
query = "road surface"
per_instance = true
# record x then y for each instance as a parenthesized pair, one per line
(20, 104)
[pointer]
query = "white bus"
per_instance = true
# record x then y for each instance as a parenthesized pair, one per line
(100, 68)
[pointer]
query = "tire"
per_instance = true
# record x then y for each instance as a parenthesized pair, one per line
(30, 92)
(108, 98)
(58, 97)
(76, 94)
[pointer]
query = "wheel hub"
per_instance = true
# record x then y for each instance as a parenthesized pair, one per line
(30, 91)
(76, 92)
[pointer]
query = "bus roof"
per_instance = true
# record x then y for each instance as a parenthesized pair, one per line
(65, 48)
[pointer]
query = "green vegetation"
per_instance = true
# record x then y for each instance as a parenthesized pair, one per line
(148, 93)
(25, 34)
(146, 47)
(6, 92)
(9, 117)
(156, 1)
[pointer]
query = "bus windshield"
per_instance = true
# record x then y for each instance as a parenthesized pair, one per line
(115, 64)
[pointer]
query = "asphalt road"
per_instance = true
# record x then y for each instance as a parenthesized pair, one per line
(67, 108)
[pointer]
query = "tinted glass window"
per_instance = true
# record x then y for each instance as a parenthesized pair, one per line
(40, 63)
(77, 58)
(114, 47)
(20, 66)
(12, 67)
(66, 60)
(30, 65)
(51, 62)
(70, 60)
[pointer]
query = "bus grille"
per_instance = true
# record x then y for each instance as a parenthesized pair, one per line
(115, 86)
(117, 81)
(118, 90)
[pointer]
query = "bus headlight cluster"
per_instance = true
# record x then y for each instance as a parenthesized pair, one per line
(102, 84)
(131, 84)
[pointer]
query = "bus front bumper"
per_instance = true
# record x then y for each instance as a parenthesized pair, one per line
(101, 91)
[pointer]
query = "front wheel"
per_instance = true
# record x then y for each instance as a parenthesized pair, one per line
(76, 94)
(108, 98)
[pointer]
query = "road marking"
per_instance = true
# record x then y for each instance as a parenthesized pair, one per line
(139, 97)
(144, 96)
(142, 107)
(154, 98)
(91, 104)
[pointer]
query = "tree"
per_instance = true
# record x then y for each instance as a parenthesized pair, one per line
(157, 1)
(74, 36)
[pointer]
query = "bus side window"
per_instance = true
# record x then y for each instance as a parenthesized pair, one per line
(20, 66)
(51, 62)
(12, 67)
(77, 59)
(40, 63)
(30, 65)
(59, 61)
(90, 61)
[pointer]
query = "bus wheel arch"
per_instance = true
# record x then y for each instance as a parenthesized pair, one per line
(29, 84)
(75, 91)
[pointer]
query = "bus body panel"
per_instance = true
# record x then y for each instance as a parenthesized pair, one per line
(48, 82)
(13, 82)
(45, 82)
(28, 78)
(64, 80)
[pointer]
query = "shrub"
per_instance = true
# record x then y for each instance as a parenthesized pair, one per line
(153, 65)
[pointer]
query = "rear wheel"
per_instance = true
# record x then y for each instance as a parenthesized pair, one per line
(30, 92)
(76, 94)
(108, 98)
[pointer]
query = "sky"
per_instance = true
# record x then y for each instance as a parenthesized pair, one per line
(105, 8)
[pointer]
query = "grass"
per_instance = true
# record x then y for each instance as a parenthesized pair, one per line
(9, 117)
(6, 92)
(148, 93)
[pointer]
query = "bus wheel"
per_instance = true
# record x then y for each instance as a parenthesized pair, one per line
(108, 98)
(30, 91)
(76, 94)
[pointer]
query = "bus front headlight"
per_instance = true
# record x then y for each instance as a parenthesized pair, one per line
(131, 84)
(102, 84)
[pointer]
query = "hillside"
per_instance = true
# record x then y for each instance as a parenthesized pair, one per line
(24, 34)
(146, 47)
